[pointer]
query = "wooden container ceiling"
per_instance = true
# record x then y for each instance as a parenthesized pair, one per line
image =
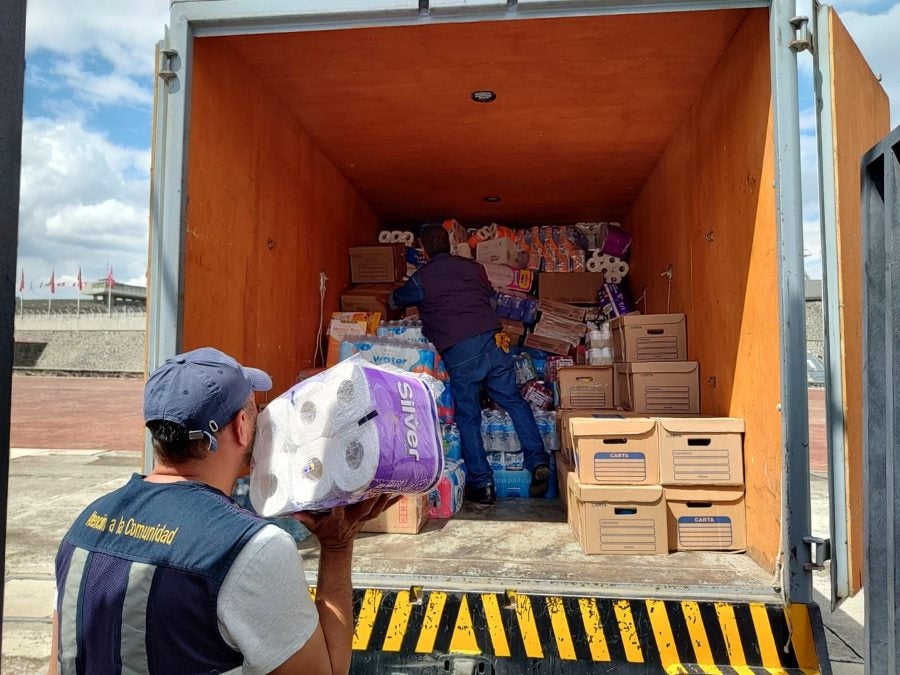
(585, 108)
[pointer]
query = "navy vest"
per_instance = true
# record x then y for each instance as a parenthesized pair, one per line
(457, 302)
(138, 578)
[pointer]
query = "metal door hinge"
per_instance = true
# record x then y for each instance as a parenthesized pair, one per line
(802, 37)
(819, 552)
(166, 66)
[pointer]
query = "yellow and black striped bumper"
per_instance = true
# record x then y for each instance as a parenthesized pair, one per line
(433, 631)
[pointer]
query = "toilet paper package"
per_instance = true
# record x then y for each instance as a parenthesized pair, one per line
(349, 433)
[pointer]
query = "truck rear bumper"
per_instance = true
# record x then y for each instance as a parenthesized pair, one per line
(435, 631)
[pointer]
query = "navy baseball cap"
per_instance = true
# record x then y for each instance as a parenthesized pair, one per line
(202, 391)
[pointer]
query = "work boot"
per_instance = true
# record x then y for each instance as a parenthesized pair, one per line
(486, 494)
(540, 481)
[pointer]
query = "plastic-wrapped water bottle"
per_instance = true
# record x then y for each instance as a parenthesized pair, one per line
(501, 437)
(486, 430)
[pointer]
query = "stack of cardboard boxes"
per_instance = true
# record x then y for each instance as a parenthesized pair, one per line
(375, 271)
(641, 480)
(653, 375)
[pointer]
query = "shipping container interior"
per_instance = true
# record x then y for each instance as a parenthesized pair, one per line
(302, 144)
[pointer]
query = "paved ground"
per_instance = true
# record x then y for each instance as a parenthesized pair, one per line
(79, 413)
(91, 417)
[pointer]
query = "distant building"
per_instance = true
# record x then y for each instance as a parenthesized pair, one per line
(122, 294)
(815, 318)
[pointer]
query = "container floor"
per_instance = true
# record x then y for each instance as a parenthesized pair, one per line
(526, 545)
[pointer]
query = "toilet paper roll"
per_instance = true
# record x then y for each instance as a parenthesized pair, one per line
(613, 278)
(594, 265)
(269, 487)
(352, 458)
(384, 237)
(407, 238)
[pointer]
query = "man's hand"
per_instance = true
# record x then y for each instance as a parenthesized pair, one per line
(337, 528)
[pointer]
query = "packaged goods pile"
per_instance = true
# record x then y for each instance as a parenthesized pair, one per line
(614, 395)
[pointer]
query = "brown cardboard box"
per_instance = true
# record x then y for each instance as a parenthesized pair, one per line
(649, 337)
(563, 416)
(701, 450)
(512, 327)
(549, 344)
(553, 325)
(570, 312)
(570, 287)
(405, 517)
(659, 388)
(706, 519)
(618, 519)
(586, 387)
(615, 450)
(563, 469)
(463, 250)
(375, 264)
(370, 298)
(501, 250)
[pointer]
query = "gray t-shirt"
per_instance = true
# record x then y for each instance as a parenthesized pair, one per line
(264, 609)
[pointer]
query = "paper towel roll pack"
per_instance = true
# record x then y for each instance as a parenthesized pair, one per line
(349, 433)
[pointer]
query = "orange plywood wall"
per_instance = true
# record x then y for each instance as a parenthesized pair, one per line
(708, 211)
(266, 212)
(861, 117)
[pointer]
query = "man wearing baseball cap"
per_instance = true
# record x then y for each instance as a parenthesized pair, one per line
(168, 575)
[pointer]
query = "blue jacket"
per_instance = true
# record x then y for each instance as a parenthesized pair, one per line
(138, 577)
(454, 296)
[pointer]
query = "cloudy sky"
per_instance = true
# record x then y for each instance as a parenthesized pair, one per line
(86, 136)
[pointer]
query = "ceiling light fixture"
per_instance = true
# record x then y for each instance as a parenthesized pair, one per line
(492, 199)
(484, 96)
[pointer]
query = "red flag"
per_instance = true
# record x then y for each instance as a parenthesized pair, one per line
(22, 282)
(78, 282)
(52, 282)
(110, 282)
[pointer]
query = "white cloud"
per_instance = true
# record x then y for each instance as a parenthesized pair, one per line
(103, 89)
(121, 33)
(84, 202)
(877, 37)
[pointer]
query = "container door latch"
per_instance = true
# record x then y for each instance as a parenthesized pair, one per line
(802, 37)
(819, 552)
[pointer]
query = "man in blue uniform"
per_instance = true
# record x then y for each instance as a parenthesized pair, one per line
(168, 575)
(454, 299)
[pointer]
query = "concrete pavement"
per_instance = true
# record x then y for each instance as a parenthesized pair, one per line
(48, 487)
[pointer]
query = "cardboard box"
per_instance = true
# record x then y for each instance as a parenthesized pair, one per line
(346, 325)
(554, 326)
(641, 338)
(659, 388)
(502, 251)
(375, 264)
(586, 387)
(549, 344)
(563, 469)
(370, 298)
(618, 520)
(463, 250)
(513, 327)
(570, 287)
(570, 312)
(701, 451)
(405, 517)
(706, 519)
(615, 450)
(563, 416)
